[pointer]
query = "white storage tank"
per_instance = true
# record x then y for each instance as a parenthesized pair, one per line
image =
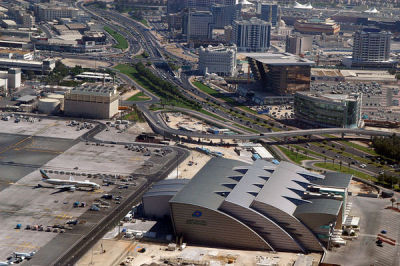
(57, 96)
(48, 106)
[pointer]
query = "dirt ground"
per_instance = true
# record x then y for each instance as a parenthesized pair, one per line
(358, 187)
(119, 250)
(190, 166)
(129, 94)
(70, 62)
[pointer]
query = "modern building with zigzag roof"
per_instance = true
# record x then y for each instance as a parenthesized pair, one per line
(260, 206)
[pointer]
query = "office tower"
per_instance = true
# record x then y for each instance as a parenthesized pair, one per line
(371, 45)
(196, 25)
(271, 13)
(223, 15)
(252, 35)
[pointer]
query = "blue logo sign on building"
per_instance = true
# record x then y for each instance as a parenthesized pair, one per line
(197, 214)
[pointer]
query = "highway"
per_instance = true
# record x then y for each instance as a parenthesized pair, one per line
(148, 42)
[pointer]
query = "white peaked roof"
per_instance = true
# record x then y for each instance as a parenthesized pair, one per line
(305, 6)
(371, 11)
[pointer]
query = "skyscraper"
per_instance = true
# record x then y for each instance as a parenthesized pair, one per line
(223, 15)
(371, 45)
(252, 35)
(196, 25)
(271, 13)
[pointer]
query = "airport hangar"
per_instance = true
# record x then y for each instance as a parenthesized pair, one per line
(261, 206)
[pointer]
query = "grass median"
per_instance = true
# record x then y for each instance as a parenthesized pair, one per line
(139, 97)
(122, 43)
(168, 93)
(344, 169)
(295, 156)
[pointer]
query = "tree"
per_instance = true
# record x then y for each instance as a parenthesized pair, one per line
(392, 200)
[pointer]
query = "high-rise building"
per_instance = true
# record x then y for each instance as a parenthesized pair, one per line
(271, 13)
(219, 59)
(223, 15)
(371, 45)
(196, 25)
(252, 35)
(298, 44)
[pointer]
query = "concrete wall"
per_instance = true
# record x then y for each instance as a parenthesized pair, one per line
(90, 109)
(156, 206)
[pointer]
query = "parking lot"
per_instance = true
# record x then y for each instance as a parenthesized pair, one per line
(25, 149)
(23, 202)
(40, 127)
(364, 251)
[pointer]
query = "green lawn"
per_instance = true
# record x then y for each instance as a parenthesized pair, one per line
(144, 22)
(167, 97)
(122, 43)
(139, 97)
(294, 156)
(213, 92)
(344, 169)
(359, 147)
(308, 151)
(246, 128)
(212, 115)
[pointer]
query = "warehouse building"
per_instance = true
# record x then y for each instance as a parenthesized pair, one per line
(92, 100)
(262, 206)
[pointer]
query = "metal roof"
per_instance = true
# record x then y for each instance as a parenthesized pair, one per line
(280, 189)
(320, 206)
(281, 186)
(26, 98)
(279, 59)
(206, 187)
(167, 187)
(332, 179)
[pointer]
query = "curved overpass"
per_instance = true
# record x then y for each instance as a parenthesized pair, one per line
(160, 128)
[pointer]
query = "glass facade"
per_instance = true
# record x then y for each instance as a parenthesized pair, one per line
(325, 112)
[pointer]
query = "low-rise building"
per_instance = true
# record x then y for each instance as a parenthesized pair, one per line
(218, 59)
(316, 26)
(92, 100)
(328, 110)
(44, 66)
(16, 54)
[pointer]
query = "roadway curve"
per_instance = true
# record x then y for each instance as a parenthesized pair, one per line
(163, 129)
